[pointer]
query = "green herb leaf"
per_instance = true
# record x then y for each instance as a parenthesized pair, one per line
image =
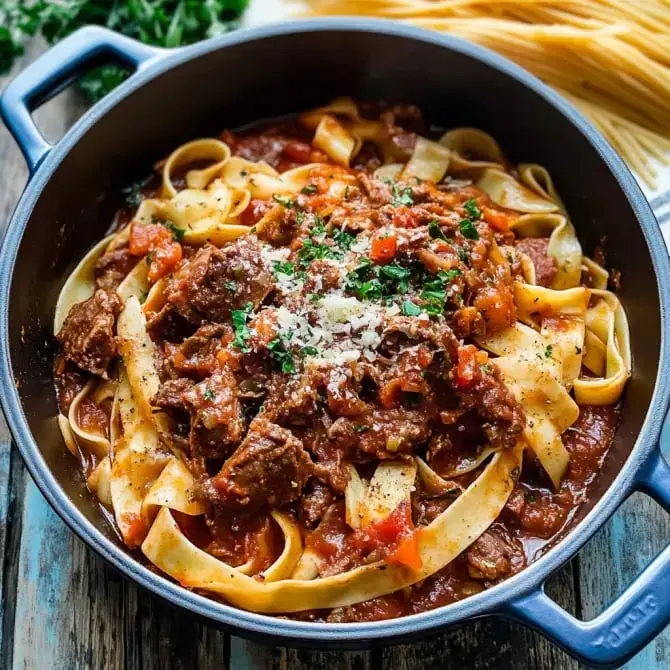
(281, 356)
(239, 318)
(473, 212)
(468, 229)
(410, 309)
(361, 428)
(284, 201)
(283, 268)
(209, 394)
(435, 231)
(310, 189)
(308, 351)
(230, 286)
(548, 351)
(177, 232)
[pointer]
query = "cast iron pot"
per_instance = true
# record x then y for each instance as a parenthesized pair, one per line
(269, 72)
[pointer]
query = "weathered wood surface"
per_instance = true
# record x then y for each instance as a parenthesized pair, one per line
(63, 607)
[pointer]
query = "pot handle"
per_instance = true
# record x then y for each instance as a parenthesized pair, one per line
(52, 72)
(640, 613)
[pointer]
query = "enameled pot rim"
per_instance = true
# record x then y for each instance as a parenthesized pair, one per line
(294, 632)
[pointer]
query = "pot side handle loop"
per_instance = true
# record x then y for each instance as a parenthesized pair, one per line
(52, 72)
(640, 613)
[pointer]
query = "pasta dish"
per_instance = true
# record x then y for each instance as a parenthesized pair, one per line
(343, 368)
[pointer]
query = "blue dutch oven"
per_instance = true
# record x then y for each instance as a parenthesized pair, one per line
(269, 72)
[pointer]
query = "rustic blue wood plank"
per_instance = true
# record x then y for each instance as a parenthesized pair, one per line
(613, 558)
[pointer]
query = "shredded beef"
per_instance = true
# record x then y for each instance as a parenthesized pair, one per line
(269, 467)
(112, 267)
(493, 401)
(197, 355)
(217, 424)
(216, 281)
(545, 265)
(170, 394)
(314, 503)
(495, 554)
(87, 335)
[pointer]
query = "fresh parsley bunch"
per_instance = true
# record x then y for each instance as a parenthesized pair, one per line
(166, 23)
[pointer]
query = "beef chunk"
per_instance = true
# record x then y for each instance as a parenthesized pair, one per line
(313, 505)
(216, 281)
(494, 402)
(112, 267)
(217, 424)
(280, 226)
(394, 431)
(495, 554)
(170, 394)
(87, 335)
(270, 466)
(197, 355)
(545, 265)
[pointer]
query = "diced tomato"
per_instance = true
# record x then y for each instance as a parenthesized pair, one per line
(136, 531)
(469, 360)
(496, 219)
(408, 552)
(143, 238)
(164, 259)
(383, 249)
(404, 217)
(255, 211)
(298, 151)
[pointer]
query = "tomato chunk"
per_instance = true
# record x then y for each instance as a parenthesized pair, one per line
(300, 152)
(468, 367)
(496, 219)
(383, 249)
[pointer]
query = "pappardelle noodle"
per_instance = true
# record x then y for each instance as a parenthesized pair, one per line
(342, 368)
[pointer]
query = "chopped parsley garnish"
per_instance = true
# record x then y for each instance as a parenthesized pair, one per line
(400, 197)
(531, 497)
(314, 297)
(361, 428)
(150, 257)
(230, 286)
(473, 212)
(515, 473)
(343, 240)
(311, 251)
(410, 309)
(434, 293)
(310, 189)
(463, 255)
(239, 318)
(319, 227)
(282, 357)
(308, 351)
(283, 268)
(548, 350)
(284, 201)
(485, 368)
(300, 217)
(346, 193)
(374, 282)
(435, 231)
(177, 232)
(468, 229)
(209, 394)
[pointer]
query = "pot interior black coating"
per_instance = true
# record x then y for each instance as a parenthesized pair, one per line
(283, 74)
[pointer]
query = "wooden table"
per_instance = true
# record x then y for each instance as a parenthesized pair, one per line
(62, 607)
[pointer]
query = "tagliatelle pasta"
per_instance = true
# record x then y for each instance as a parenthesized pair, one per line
(339, 361)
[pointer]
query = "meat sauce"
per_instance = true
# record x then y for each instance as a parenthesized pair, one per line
(258, 439)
